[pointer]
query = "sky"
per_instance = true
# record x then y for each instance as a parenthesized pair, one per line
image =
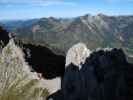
(29, 9)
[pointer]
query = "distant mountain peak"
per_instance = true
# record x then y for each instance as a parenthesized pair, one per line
(101, 15)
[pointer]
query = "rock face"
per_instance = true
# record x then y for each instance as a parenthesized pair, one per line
(105, 75)
(43, 60)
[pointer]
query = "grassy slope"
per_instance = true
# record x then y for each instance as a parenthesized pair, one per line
(16, 81)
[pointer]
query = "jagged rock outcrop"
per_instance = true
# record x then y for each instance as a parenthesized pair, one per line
(105, 75)
(77, 54)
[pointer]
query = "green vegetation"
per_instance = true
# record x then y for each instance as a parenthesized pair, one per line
(130, 42)
(26, 91)
(16, 81)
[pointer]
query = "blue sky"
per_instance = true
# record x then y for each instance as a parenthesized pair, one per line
(27, 9)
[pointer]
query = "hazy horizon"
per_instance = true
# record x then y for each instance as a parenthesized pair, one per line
(25, 19)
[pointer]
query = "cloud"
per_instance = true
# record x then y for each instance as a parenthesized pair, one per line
(36, 2)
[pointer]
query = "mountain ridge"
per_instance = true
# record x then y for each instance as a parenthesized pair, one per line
(95, 31)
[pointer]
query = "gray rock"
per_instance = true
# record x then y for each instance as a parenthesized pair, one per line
(103, 76)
